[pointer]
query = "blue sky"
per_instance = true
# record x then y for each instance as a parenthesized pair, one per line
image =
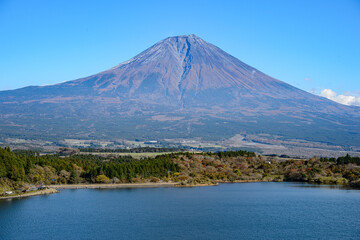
(313, 45)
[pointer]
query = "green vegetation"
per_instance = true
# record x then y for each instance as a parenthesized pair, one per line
(18, 170)
(240, 166)
(138, 153)
(343, 160)
(132, 150)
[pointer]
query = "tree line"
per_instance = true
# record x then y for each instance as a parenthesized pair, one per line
(31, 168)
(132, 150)
(343, 160)
(27, 167)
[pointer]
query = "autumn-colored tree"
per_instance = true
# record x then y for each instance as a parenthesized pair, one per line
(102, 179)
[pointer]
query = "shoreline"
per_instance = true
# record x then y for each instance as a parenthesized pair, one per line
(55, 188)
(246, 181)
(112, 185)
(197, 185)
(30, 194)
(141, 185)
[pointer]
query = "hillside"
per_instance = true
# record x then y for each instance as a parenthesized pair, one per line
(18, 172)
(181, 87)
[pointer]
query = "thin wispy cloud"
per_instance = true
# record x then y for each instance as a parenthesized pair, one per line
(308, 79)
(314, 91)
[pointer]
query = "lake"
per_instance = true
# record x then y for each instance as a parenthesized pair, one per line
(227, 211)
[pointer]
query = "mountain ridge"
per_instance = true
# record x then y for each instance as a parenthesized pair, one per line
(179, 77)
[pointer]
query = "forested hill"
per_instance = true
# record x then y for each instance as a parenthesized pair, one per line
(18, 171)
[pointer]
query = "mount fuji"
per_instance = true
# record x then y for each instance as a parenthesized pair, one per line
(181, 87)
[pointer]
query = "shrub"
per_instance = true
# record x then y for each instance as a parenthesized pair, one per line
(102, 179)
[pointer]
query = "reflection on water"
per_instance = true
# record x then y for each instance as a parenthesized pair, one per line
(330, 186)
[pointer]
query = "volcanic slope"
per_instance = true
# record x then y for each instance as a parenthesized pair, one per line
(181, 87)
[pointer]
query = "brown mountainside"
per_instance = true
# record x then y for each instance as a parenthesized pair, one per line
(182, 86)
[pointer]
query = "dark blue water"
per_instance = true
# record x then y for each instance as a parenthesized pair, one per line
(228, 211)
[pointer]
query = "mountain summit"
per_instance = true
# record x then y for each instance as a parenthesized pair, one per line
(184, 69)
(181, 87)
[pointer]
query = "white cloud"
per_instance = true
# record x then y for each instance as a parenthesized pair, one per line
(347, 99)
